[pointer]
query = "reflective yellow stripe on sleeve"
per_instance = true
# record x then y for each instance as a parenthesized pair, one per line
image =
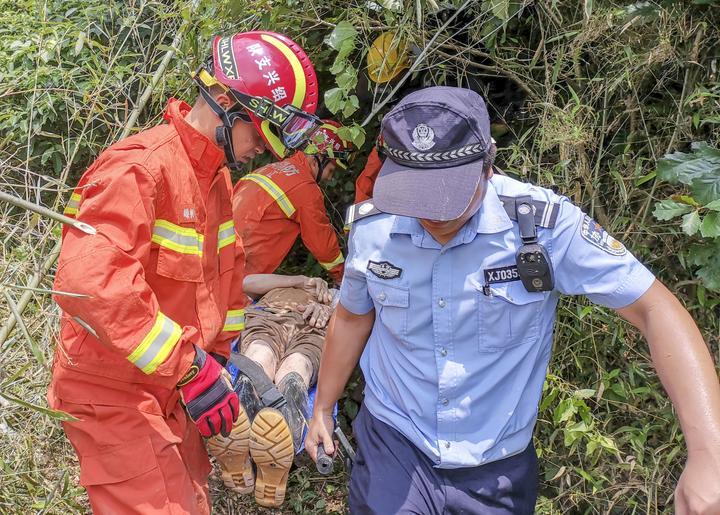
(235, 320)
(157, 344)
(180, 239)
(329, 266)
(226, 234)
(71, 208)
(272, 189)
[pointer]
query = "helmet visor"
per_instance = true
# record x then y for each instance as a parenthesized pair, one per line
(298, 129)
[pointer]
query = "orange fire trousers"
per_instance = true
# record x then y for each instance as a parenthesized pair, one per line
(136, 462)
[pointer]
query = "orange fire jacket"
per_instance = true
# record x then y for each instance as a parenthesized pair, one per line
(366, 180)
(161, 272)
(274, 204)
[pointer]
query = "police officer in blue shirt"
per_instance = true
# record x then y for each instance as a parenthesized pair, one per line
(448, 302)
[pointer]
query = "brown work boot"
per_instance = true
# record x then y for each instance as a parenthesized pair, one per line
(271, 448)
(233, 454)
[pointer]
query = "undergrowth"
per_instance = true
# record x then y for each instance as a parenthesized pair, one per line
(585, 97)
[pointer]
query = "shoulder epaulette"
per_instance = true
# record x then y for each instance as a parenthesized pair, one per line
(359, 211)
(545, 213)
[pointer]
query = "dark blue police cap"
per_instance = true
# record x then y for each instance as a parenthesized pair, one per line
(435, 140)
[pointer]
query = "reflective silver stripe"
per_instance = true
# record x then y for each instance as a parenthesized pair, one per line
(226, 234)
(235, 320)
(71, 208)
(338, 260)
(177, 238)
(190, 241)
(156, 345)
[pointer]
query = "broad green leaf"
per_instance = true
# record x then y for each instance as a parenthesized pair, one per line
(338, 66)
(584, 394)
(343, 31)
(334, 100)
(713, 206)
(669, 209)
(698, 169)
(347, 80)
(691, 223)
(706, 257)
(564, 411)
(500, 8)
(710, 226)
(351, 106)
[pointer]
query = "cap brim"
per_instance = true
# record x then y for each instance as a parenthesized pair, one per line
(430, 193)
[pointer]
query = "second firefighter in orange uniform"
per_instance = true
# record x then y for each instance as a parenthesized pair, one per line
(278, 202)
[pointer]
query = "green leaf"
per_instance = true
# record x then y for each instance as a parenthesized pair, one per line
(669, 209)
(713, 206)
(706, 257)
(351, 106)
(564, 411)
(347, 80)
(338, 66)
(698, 169)
(691, 223)
(343, 32)
(584, 394)
(392, 5)
(334, 100)
(499, 8)
(710, 226)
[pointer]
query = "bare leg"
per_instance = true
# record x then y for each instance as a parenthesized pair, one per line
(261, 353)
(298, 363)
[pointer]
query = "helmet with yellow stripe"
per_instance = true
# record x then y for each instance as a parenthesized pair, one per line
(328, 144)
(273, 82)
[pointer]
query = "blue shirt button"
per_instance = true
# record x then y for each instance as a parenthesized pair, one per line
(441, 303)
(382, 297)
(443, 352)
(445, 402)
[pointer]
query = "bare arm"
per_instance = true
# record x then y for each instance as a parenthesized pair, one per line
(344, 342)
(257, 285)
(686, 370)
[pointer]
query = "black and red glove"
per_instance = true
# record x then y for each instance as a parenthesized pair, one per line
(208, 396)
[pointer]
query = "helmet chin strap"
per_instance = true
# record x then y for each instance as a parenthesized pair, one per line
(223, 133)
(322, 162)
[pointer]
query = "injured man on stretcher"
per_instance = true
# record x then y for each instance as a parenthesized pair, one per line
(274, 364)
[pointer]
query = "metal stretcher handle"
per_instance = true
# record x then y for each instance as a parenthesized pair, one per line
(324, 462)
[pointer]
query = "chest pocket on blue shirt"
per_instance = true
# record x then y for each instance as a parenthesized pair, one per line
(509, 317)
(391, 305)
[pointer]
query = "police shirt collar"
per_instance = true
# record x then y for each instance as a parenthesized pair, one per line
(491, 217)
(205, 156)
(406, 225)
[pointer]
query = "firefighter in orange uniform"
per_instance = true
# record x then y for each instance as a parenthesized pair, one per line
(275, 203)
(366, 180)
(139, 363)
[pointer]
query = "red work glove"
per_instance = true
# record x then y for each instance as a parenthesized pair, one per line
(208, 396)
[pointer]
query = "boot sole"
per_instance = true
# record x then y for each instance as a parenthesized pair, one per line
(233, 454)
(271, 448)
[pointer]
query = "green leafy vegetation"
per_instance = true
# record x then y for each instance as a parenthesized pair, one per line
(615, 105)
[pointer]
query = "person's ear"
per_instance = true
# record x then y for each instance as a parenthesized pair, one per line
(224, 100)
(488, 162)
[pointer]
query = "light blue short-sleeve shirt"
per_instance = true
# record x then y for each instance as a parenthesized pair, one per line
(459, 349)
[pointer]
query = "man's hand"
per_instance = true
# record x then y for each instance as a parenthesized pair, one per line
(317, 315)
(318, 288)
(208, 396)
(320, 430)
(698, 491)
